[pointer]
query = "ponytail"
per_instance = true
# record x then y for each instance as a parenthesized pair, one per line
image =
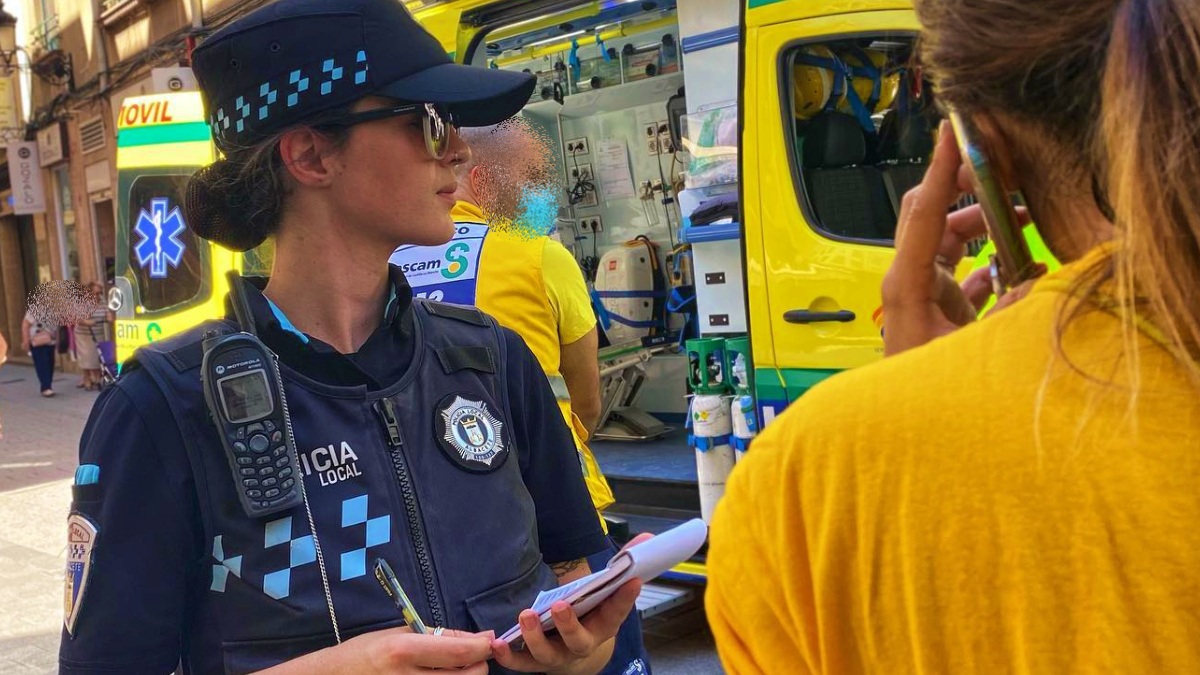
(236, 201)
(1150, 136)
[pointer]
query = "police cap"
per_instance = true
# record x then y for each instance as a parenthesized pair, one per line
(293, 59)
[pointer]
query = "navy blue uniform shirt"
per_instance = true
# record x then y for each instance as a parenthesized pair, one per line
(151, 565)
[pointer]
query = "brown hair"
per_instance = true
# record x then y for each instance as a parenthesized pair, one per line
(1039, 63)
(1110, 87)
(1152, 141)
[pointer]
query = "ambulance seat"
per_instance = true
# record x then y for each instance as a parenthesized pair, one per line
(905, 145)
(848, 197)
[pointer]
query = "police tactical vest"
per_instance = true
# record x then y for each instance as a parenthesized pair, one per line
(424, 473)
(513, 291)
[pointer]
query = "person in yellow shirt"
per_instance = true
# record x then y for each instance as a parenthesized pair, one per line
(1016, 495)
(502, 260)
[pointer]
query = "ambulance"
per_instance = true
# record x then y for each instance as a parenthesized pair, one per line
(748, 155)
(167, 279)
(762, 149)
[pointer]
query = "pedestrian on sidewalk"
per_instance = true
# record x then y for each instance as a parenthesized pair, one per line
(38, 339)
(88, 334)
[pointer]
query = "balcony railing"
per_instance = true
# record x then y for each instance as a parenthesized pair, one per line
(44, 36)
(113, 11)
(113, 4)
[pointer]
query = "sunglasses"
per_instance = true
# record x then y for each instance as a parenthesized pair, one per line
(437, 123)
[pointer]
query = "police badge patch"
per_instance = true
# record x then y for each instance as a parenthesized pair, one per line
(81, 541)
(469, 434)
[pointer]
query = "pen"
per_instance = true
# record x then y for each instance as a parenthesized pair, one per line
(387, 579)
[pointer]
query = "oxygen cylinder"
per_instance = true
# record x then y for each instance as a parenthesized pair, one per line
(745, 423)
(742, 410)
(711, 426)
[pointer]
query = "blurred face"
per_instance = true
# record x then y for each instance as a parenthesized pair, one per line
(388, 184)
(518, 162)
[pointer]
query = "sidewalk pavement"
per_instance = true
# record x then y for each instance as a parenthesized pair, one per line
(38, 454)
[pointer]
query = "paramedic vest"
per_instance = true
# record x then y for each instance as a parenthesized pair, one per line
(452, 516)
(514, 292)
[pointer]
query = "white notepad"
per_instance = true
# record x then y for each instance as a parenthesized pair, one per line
(645, 561)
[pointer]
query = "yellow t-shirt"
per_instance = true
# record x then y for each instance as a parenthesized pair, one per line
(567, 291)
(977, 505)
(526, 285)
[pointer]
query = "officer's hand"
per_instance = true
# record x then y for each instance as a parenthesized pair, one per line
(579, 642)
(396, 651)
(921, 298)
(399, 650)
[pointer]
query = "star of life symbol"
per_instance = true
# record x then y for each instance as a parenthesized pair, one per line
(160, 228)
(472, 430)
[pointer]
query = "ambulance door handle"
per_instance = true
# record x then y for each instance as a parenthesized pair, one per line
(807, 316)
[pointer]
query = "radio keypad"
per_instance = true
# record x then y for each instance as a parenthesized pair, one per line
(263, 463)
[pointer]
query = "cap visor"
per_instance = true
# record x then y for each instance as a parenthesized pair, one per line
(476, 96)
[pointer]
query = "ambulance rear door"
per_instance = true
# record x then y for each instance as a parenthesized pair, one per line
(812, 283)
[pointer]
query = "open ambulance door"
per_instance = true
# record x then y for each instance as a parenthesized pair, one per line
(819, 191)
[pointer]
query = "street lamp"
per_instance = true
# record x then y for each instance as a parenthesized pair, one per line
(8, 41)
(10, 111)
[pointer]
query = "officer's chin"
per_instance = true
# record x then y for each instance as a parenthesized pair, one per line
(435, 234)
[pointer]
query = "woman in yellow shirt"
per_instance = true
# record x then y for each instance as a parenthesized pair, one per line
(1019, 495)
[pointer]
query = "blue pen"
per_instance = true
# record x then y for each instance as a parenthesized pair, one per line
(387, 579)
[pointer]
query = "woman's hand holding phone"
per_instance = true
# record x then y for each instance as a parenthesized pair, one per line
(922, 300)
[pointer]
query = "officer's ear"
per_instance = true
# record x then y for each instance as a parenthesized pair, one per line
(307, 154)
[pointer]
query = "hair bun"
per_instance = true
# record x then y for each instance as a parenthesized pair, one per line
(219, 208)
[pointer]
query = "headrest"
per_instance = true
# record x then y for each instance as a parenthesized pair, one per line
(907, 136)
(833, 140)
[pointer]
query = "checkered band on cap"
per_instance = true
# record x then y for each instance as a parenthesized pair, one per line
(289, 97)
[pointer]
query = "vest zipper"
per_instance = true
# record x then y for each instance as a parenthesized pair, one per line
(387, 412)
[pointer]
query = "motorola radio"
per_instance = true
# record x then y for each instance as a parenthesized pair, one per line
(246, 401)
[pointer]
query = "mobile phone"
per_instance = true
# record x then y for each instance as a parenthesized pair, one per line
(1012, 263)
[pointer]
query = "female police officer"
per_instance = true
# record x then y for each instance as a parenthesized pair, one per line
(423, 434)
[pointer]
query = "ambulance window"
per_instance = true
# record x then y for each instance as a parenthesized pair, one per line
(165, 256)
(861, 133)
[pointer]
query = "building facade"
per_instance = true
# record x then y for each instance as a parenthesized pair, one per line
(84, 58)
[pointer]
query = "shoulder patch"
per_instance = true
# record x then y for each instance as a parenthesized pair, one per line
(462, 313)
(466, 357)
(81, 542)
(469, 434)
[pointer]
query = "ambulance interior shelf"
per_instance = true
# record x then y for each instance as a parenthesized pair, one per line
(700, 234)
(611, 99)
(710, 138)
